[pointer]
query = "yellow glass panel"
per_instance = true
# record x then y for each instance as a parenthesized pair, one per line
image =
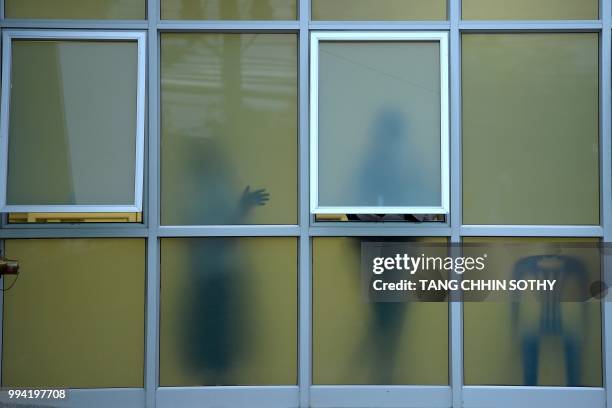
(228, 311)
(355, 342)
(228, 9)
(229, 129)
(75, 317)
(531, 128)
(499, 350)
(530, 9)
(379, 10)
(81, 147)
(76, 9)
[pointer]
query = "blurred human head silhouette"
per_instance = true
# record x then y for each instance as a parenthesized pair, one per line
(389, 125)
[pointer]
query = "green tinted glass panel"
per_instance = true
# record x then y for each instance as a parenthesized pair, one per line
(82, 95)
(228, 9)
(530, 128)
(228, 311)
(75, 316)
(229, 128)
(530, 9)
(355, 342)
(379, 9)
(76, 9)
(533, 342)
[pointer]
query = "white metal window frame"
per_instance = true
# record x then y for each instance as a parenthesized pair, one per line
(7, 39)
(441, 37)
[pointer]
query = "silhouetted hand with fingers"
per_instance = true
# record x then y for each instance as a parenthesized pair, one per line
(251, 199)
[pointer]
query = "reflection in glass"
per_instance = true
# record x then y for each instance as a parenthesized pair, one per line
(228, 311)
(379, 124)
(531, 128)
(228, 9)
(76, 9)
(229, 129)
(536, 340)
(72, 130)
(380, 217)
(75, 316)
(379, 10)
(530, 9)
(355, 342)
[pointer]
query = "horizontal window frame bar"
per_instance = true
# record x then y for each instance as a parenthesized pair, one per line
(228, 25)
(357, 396)
(230, 396)
(318, 229)
(68, 209)
(442, 25)
(378, 210)
(229, 231)
(594, 231)
(50, 233)
(382, 231)
(291, 25)
(533, 397)
(75, 24)
(92, 398)
(75, 226)
(380, 224)
(530, 25)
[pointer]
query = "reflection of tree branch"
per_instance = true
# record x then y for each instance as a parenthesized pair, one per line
(180, 53)
(249, 43)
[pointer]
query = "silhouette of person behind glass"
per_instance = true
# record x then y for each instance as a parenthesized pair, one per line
(214, 298)
(214, 332)
(385, 322)
(380, 185)
(381, 182)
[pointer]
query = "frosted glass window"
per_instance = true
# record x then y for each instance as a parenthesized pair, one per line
(530, 9)
(75, 316)
(229, 9)
(228, 311)
(379, 141)
(229, 129)
(356, 342)
(378, 9)
(76, 9)
(75, 139)
(530, 128)
(533, 342)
